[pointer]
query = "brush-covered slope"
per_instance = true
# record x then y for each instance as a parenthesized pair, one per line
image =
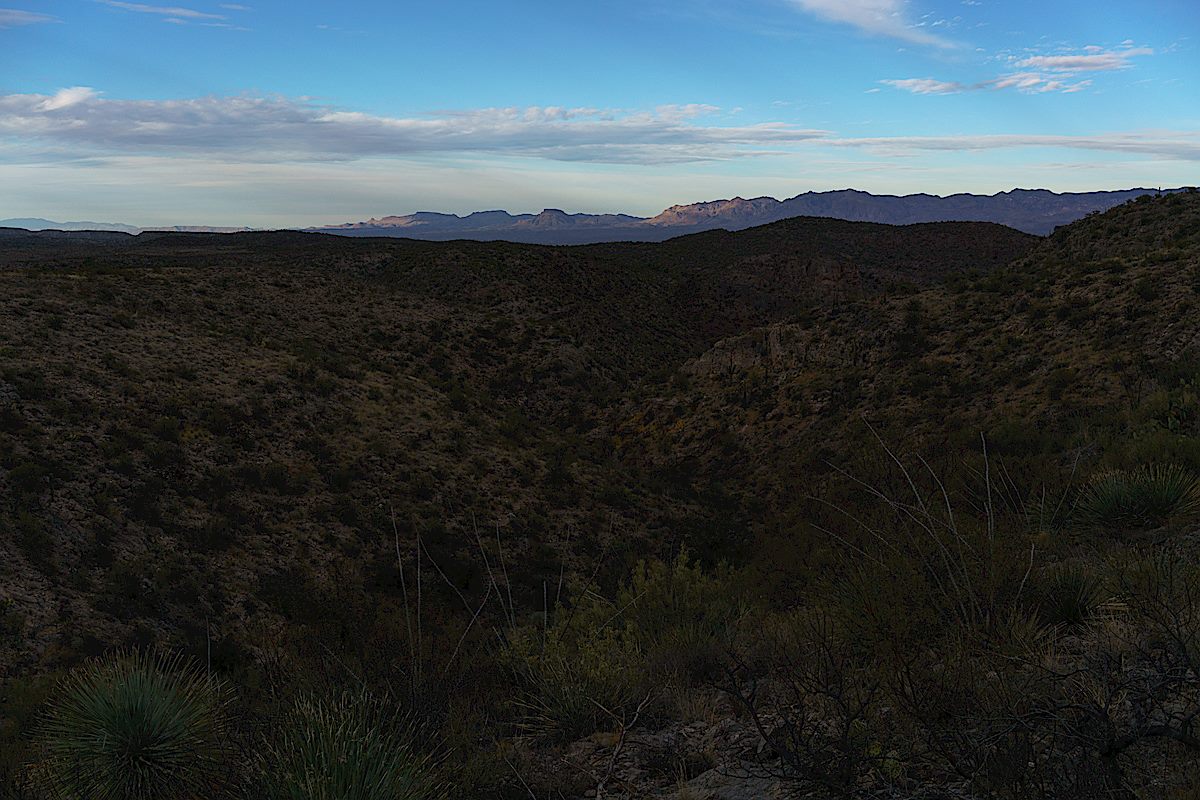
(226, 445)
(212, 430)
(1091, 337)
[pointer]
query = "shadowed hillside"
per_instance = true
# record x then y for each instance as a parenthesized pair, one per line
(258, 398)
(837, 508)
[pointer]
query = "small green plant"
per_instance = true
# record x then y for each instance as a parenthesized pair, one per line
(573, 678)
(1070, 595)
(351, 747)
(134, 727)
(1145, 497)
(681, 615)
(669, 625)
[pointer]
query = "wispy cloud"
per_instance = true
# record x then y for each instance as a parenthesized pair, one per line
(875, 17)
(81, 123)
(1035, 83)
(281, 129)
(1025, 82)
(1177, 145)
(1093, 60)
(13, 17)
(1040, 74)
(175, 12)
(926, 85)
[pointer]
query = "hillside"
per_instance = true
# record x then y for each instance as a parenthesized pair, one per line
(225, 445)
(1091, 324)
(223, 408)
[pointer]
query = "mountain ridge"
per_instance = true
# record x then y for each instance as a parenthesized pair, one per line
(1036, 211)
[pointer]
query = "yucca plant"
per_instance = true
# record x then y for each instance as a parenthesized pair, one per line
(1148, 496)
(351, 747)
(1070, 594)
(134, 726)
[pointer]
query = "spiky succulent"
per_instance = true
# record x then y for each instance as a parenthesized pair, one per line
(350, 747)
(134, 726)
(1151, 495)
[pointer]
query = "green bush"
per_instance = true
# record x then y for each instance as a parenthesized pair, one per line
(669, 624)
(134, 727)
(1145, 497)
(572, 679)
(681, 616)
(351, 747)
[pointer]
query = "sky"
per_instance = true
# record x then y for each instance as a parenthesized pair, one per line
(309, 112)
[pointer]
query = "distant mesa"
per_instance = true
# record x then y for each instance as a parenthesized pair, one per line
(1036, 211)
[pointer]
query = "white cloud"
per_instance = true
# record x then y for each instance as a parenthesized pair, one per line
(1025, 82)
(1039, 74)
(926, 86)
(65, 98)
(1094, 60)
(78, 124)
(282, 129)
(165, 11)
(12, 17)
(1035, 83)
(876, 17)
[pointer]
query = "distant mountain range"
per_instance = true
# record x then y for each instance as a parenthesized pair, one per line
(37, 224)
(1036, 211)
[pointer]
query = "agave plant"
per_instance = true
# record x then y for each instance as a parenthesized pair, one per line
(1151, 495)
(134, 727)
(1071, 594)
(351, 747)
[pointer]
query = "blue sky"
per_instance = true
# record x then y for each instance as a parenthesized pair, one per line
(273, 113)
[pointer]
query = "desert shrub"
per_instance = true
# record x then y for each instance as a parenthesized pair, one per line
(35, 541)
(21, 699)
(930, 561)
(681, 616)
(823, 723)
(28, 478)
(351, 747)
(671, 622)
(572, 680)
(1145, 497)
(134, 727)
(1070, 594)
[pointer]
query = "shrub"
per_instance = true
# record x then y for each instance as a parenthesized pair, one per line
(134, 727)
(681, 616)
(1070, 595)
(351, 747)
(1145, 497)
(670, 624)
(572, 680)
(824, 727)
